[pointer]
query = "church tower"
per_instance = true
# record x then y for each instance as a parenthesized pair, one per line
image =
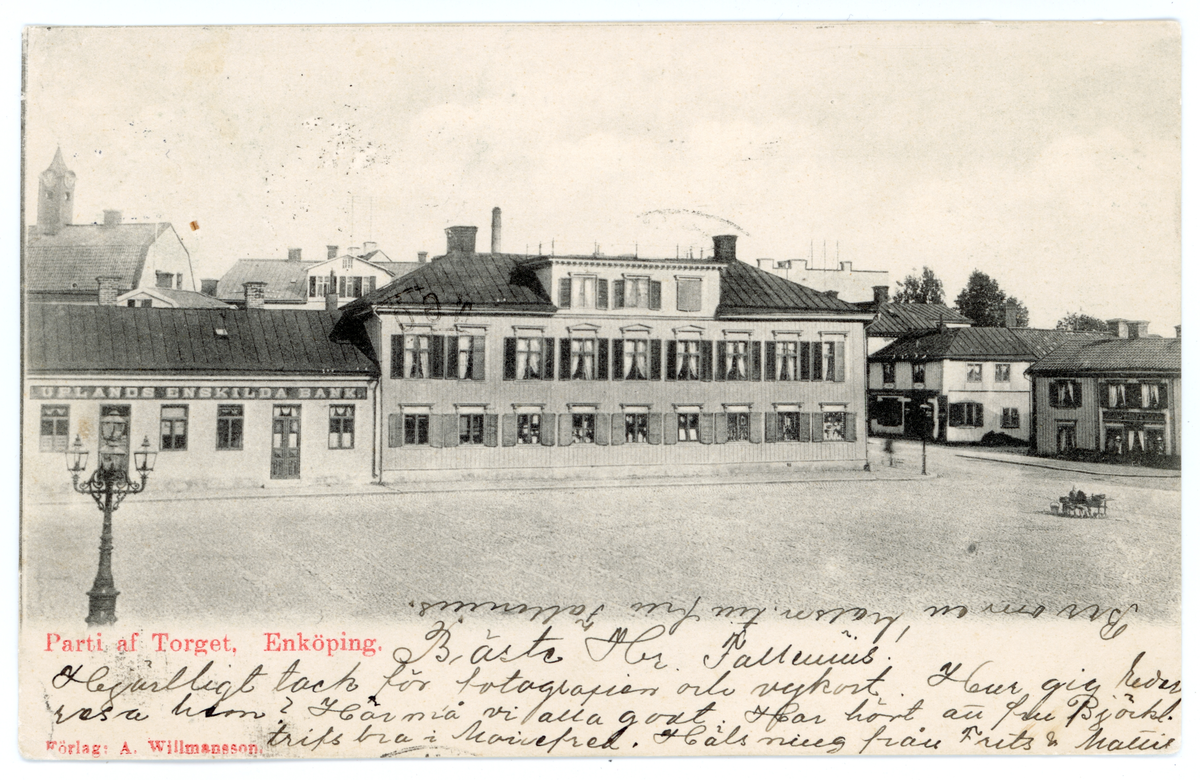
(56, 196)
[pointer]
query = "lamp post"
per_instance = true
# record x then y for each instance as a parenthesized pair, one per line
(108, 485)
(927, 408)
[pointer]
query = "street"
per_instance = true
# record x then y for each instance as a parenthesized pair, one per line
(978, 532)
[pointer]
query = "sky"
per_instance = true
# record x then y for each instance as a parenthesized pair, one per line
(1046, 155)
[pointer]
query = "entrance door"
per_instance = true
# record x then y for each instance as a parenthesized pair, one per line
(285, 443)
(114, 437)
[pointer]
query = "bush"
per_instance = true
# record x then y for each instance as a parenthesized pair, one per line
(994, 439)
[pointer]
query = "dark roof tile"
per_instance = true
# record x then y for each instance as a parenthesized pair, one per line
(72, 258)
(979, 343)
(1114, 355)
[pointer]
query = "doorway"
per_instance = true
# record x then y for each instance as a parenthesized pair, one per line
(285, 443)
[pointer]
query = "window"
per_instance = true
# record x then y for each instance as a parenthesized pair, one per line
(786, 360)
(831, 361)
(1154, 396)
(1003, 372)
(738, 426)
(55, 428)
(583, 358)
(1064, 393)
(788, 425)
(636, 360)
(1065, 436)
(583, 292)
(164, 280)
(966, 415)
(583, 428)
(637, 292)
(889, 412)
(974, 372)
(529, 358)
(687, 294)
(318, 286)
(834, 426)
(466, 356)
(470, 429)
(636, 426)
(918, 370)
(416, 356)
(178, 281)
(1156, 440)
(735, 360)
(889, 373)
(229, 426)
(173, 428)
(416, 429)
(1010, 417)
(689, 426)
(687, 360)
(347, 262)
(341, 427)
(529, 428)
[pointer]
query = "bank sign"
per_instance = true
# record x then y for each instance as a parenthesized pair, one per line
(184, 392)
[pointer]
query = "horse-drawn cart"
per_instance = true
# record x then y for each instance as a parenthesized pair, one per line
(1079, 504)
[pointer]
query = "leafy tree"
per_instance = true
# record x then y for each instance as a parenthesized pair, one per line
(925, 288)
(1079, 321)
(984, 302)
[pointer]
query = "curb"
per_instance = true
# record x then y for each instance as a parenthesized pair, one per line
(1055, 467)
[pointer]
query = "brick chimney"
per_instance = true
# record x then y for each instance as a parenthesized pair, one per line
(881, 293)
(109, 289)
(1010, 315)
(294, 254)
(496, 230)
(461, 238)
(1178, 330)
(1139, 329)
(256, 294)
(209, 287)
(330, 251)
(1128, 329)
(725, 248)
(422, 257)
(112, 218)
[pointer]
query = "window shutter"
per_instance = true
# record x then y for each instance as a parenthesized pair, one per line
(602, 358)
(564, 358)
(655, 360)
(603, 427)
(706, 361)
(564, 429)
(478, 357)
(601, 293)
(720, 428)
(756, 427)
(435, 430)
(655, 295)
(706, 428)
(1104, 396)
(618, 359)
(547, 433)
(956, 415)
(450, 430)
(818, 355)
(770, 426)
(395, 430)
(452, 357)
(755, 361)
(491, 424)
(805, 428)
(805, 361)
(817, 426)
(772, 370)
(720, 361)
(851, 426)
(654, 428)
(672, 356)
(618, 429)
(548, 359)
(510, 358)
(508, 430)
(437, 355)
(670, 428)
(564, 293)
(618, 293)
(839, 361)
(397, 357)
(978, 415)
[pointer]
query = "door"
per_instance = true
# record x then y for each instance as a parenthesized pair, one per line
(114, 437)
(285, 443)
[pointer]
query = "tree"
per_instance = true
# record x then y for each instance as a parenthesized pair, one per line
(983, 301)
(926, 288)
(1079, 321)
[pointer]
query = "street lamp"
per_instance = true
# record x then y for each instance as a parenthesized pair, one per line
(927, 408)
(108, 485)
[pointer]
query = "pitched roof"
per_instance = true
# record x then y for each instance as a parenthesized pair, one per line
(979, 343)
(747, 290)
(1114, 355)
(394, 268)
(896, 319)
(119, 339)
(287, 281)
(71, 259)
(183, 299)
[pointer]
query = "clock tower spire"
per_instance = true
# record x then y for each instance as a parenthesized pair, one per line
(56, 196)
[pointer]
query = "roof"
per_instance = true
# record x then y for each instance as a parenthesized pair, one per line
(979, 344)
(393, 268)
(287, 280)
(119, 339)
(182, 299)
(746, 290)
(898, 319)
(71, 259)
(1155, 355)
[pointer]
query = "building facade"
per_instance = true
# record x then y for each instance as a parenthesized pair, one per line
(851, 284)
(493, 361)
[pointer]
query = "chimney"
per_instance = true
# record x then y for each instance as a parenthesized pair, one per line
(881, 293)
(1177, 331)
(1010, 315)
(112, 218)
(209, 287)
(461, 238)
(1118, 328)
(108, 289)
(369, 247)
(765, 262)
(294, 254)
(354, 251)
(1139, 329)
(422, 257)
(256, 294)
(330, 251)
(331, 301)
(496, 230)
(725, 248)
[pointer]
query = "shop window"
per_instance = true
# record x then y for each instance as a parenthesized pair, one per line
(529, 428)
(470, 429)
(230, 423)
(636, 359)
(786, 360)
(889, 412)
(966, 415)
(738, 426)
(416, 429)
(1065, 393)
(637, 424)
(787, 425)
(918, 371)
(889, 373)
(583, 428)
(833, 426)
(689, 426)
(687, 295)
(1156, 440)
(1003, 372)
(1010, 417)
(55, 428)
(974, 372)
(341, 427)
(173, 428)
